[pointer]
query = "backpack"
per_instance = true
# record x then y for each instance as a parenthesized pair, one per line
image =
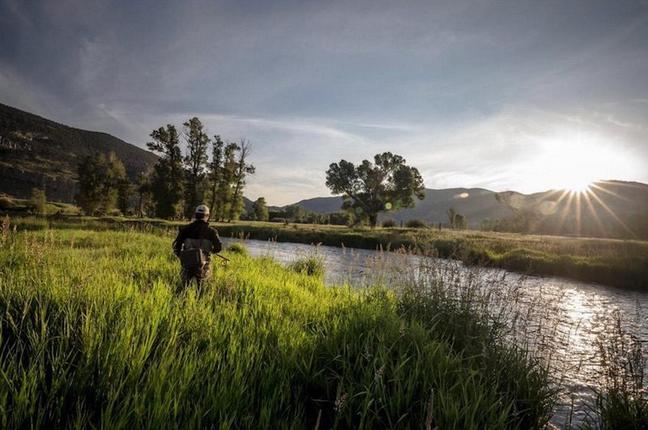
(193, 256)
(193, 259)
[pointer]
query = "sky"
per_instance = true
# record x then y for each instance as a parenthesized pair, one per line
(506, 95)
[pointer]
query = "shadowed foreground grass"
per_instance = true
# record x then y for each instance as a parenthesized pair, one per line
(94, 334)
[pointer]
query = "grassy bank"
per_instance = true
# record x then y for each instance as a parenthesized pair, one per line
(95, 333)
(619, 263)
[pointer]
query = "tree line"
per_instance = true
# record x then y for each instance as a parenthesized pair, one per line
(177, 183)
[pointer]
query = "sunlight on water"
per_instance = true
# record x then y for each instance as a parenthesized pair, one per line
(567, 318)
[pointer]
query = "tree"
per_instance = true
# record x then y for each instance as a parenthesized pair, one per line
(195, 162)
(260, 209)
(295, 213)
(38, 201)
(167, 182)
(90, 172)
(100, 177)
(114, 177)
(241, 170)
(226, 179)
(145, 198)
(456, 220)
(370, 188)
(216, 172)
(124, 192)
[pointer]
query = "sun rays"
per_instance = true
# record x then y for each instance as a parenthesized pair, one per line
(585, 204)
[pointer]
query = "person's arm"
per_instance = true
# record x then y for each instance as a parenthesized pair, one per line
(177, 243)
(217, 245)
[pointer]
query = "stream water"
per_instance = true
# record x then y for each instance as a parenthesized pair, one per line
(573, 314)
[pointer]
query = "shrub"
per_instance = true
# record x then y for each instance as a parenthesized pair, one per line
(415, 223)
(311, 266)
(238, 248)
(6, 203)
(388, 223)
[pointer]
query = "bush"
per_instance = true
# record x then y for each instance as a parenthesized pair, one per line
(388, 223)
(311, 266)
(238, 248)
(6, 203)
(415, 223)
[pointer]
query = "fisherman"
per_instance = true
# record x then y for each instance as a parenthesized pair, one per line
(194, 245)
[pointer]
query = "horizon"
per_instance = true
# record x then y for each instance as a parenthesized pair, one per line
(519, 96)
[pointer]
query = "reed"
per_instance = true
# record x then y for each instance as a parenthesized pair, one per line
(94, 335)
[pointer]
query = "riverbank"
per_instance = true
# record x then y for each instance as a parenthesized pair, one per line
(618, 263)
(95, 333)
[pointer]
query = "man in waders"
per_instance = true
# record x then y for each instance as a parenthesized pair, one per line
(194, 245)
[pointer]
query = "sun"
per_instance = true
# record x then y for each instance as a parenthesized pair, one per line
(578, 186)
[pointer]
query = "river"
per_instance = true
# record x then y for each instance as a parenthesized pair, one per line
(568, 319)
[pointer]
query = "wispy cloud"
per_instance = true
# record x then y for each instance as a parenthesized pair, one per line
(468, 92)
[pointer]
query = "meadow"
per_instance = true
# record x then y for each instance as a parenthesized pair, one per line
(613, 262)
(95, 332)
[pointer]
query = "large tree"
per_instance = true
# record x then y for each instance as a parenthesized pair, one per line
(216, 173)
(227, 178)
(195, 162)
(241, 171)
(167, 182)
(99, 179)
(260, 209)
(370, 188)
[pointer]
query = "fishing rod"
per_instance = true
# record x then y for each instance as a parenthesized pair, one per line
(224, 258)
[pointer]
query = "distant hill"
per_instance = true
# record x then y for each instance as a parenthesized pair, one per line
(321, 205)
(37, 152)
(607, 209)
(476, 204)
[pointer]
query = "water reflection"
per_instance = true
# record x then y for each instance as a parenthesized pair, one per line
(562, 319)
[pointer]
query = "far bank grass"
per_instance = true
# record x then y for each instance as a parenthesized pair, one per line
(95, 334)
(619, 263)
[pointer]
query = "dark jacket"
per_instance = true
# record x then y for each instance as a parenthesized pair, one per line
(198, 229)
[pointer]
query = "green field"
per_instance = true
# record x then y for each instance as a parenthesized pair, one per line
(619, 263)
(95, 333)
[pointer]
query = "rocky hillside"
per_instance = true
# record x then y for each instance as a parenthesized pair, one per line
(37, 152)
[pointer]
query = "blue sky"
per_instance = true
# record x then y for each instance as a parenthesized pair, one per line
(523, 95)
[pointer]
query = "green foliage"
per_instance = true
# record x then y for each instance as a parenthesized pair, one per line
(216, 175)
(242, 169)
(195, 164)
(100, 179)
(415, 223)
(370, 188)
(260, 209)
(124, 192)
(456, 220)
(260, 346)
(6, 202)
(389, 223)
(38, 201)
(167, 182)
(237, 248)
(224, 193)
(311, 266)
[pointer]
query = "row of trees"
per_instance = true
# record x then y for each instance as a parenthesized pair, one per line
(103, 184)
(178, 182)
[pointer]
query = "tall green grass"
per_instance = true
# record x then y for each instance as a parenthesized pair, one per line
(619, 263)
(94, 334)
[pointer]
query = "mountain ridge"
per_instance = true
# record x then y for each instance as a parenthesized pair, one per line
(36, 152)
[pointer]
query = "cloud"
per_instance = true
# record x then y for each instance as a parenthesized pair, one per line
(468, 92)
